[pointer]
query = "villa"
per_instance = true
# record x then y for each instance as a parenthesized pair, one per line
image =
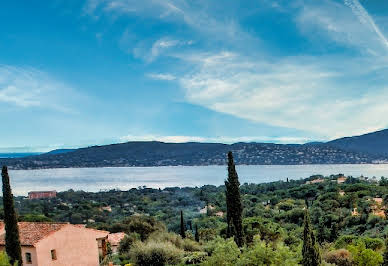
(60, 244)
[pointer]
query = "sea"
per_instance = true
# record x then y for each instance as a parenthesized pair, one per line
(124, 178)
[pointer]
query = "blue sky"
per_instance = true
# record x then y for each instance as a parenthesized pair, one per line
(75, 73)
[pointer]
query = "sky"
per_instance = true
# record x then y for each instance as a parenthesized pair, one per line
(75, 73)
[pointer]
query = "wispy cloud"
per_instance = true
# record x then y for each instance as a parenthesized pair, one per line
(161, 76)
(220, 139)
(337, 92)
(347, 23)
(28, 87)
(366, 19)
(297, 92)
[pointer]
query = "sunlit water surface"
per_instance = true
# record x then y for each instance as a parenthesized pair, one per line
(124, 178)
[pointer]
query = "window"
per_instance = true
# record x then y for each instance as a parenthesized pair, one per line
(28, 257)
(53, 254)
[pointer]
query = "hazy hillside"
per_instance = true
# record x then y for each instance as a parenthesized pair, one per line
(375, 143)
(166, 154)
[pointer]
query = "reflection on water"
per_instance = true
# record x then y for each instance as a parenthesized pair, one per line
(124, 178)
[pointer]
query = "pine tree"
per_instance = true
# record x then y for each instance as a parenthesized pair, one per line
(12, 241)
(196, 233)
(310, 251)
(385, 255)
(233, 203)
(183, 229)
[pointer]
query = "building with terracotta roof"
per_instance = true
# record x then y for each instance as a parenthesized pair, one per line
(114, 240)
(341, 180)
(316, 181)
(42, 194)
(62, 244)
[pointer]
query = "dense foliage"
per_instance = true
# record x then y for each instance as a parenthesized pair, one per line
(347, 220)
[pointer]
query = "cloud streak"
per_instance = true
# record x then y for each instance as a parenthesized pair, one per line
(365, 18)
(297, 92)
(220, 139)
(30, 88)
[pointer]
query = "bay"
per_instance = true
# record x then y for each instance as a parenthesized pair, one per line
(124, 178)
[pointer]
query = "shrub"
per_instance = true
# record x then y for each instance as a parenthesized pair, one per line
(142, 225)
(195, 258)
(344, 240)
(340, 257)
(127, 241)
(155, 253)
(185, 244)
(363, 256)
(190, 245)
(223, 252)
(262, 254)
(4, 260)
(373, 243)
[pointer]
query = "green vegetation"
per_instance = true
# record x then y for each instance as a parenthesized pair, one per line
(345, 226)
(12, 242)
(310, 251)
(234, 206)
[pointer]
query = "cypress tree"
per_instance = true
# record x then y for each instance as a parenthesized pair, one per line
(12, 241)
(310, 251)
(385, 255)
(233, 203)
(183, 229)
(196, 233)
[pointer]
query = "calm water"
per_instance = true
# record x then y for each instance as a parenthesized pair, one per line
(95, 179)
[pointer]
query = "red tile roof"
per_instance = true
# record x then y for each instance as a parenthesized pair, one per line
(115, 238)
(31, 233)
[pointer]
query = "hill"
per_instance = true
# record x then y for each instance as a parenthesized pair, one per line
(375, 143)
(172, 154)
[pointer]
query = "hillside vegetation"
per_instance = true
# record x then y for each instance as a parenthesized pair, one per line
(348, 219)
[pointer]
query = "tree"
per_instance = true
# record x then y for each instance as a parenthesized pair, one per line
(310, 251)
(385, 255)
(233, 203)
(196, 233)
(183, 229)
(12, 241)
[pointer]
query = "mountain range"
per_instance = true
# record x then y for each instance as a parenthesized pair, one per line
(368, 148)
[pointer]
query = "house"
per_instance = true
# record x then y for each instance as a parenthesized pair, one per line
(114, 240)
(42, 194)
(378, 201)
(315, 181)
(106, 208)
(59, 244)
(341, 180)
(355, 212)
(206, 208)
(220, 214)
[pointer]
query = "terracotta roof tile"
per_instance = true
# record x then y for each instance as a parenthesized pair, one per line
(115, 238)
(31, 233)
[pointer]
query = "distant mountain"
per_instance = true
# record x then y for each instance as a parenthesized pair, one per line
(172, 154)
(18, 154)
(59, 151)
(375, 143)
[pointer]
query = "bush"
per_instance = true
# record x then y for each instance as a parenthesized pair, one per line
(155, 253)
(4, 260)
(195, 258)
(262, 254)
(185, 244)
(223, 252)
(363, 256)
(368, 242)
(127, 241)
(340, 257)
